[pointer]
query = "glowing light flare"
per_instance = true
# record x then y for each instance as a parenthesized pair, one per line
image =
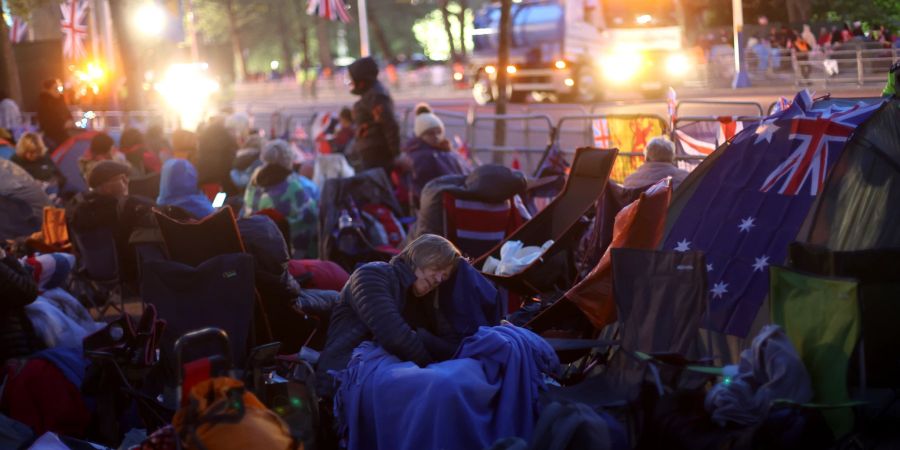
(677, 64)
(621, 67)
(149, 19)
(490, 70)
(511, 69)
(274, 65)
(457, 76)
(644, 19)
(569, 82)
(187, 88)
(561, 65)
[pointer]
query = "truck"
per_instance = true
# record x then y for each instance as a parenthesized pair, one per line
(581, 50)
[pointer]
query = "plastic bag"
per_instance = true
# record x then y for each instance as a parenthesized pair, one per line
(514, 257)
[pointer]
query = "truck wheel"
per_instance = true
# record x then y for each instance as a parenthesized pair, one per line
(483, 89)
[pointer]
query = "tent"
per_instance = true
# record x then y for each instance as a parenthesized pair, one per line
(749, 199)
(66, 157)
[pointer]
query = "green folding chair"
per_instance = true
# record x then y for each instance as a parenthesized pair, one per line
(821, 317)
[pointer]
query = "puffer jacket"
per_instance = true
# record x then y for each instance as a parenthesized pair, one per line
(17, 289)
(370, 308)
(377, 133)
(430, 162)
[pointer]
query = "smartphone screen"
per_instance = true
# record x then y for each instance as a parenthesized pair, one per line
(219, 200)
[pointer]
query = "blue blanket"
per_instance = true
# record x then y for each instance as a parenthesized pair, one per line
(488, 391)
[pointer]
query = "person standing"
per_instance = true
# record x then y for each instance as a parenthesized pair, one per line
(377, 133)
(53, 113)
(10, 115)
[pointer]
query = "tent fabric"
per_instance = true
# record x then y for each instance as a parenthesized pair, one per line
(769, 370)
(821, 317)
(600, 233)
(490, 390)
(574, 425)
(857, 207)
(638, 225)
(879, 289)
(17, 184)
(66, 157)
(752, 200)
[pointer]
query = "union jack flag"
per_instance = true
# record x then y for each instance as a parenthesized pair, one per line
(74, 27)
(328, 9)
(602, 138)
(810, 159)
(17, 30)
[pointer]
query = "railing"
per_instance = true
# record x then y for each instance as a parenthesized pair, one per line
(518, 140)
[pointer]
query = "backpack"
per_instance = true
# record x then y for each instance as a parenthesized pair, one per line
(222, 414)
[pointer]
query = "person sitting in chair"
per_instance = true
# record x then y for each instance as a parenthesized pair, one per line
(659, 155)
(107, 205)
(373, 302)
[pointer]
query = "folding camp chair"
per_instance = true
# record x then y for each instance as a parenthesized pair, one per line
(54, 235)
(96, 274)
(661, 301)
(476, 227)
(561, 221)
(638, 225)
(821, 317)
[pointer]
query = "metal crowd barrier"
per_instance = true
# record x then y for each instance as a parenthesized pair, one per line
(754, 105)
(523, 144)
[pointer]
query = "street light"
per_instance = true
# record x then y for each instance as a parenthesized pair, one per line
(150, 19)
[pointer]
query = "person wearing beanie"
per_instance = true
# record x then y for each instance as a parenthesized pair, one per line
(428, 155)
(107, 206)
(246, 161)
(275, 185)
(377, 141)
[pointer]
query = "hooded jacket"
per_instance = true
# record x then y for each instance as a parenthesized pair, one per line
(370, 308)
(274, 186)
(377, 133)
(178, 187)
(430, 162)
(216, 149)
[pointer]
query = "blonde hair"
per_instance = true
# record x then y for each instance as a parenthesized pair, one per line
(431, 251)
(27, 142)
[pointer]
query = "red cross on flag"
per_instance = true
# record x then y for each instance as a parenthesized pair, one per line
(17, 30)
(328, 9)
(74, 28)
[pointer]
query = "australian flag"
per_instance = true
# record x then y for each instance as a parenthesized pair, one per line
(751, 203)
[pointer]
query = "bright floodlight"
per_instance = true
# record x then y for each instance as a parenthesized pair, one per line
(150, 19)
(274, 65)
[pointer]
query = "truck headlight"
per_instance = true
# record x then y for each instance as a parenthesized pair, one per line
(621, 67)
(677, 65)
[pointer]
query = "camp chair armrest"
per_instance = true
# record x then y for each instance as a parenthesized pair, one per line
(689, 366)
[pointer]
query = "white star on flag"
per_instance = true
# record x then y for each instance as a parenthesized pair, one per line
(683, 245)
(765, 131)
(747, 223)
(761, 263)
(719, 289)
(709, 267)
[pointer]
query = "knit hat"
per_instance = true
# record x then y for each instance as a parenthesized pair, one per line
(105, 171)
(278, 152)
(427, 121)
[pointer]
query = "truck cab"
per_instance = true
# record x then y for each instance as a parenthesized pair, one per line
(581, 50)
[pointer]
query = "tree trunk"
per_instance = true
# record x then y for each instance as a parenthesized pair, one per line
(502, 76)
(324, 39)
(240, 64)
(463, 6)
(305, 61)
(445, 15)
(130, 65)
(380, 38)
(287, 51)
(9, 70)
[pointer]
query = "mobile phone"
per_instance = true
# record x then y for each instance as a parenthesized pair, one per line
(219, 200)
